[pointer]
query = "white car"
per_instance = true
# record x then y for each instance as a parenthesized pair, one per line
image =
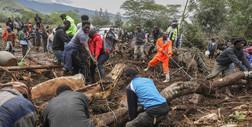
(1, 30)
(101, 32)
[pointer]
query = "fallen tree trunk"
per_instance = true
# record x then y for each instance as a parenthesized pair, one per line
(48, 88)
(108, 119)
(199, 86)
(27, 67)
(171, 92)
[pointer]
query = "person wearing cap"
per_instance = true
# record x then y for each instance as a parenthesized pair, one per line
(144, 91)
(233, 54)
(9, 38)
(173, 32)
(15, 109)
(67, 109)
(72, 29)
(164, 47)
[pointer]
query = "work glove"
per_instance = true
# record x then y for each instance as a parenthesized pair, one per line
(164, 52)
(248, 74)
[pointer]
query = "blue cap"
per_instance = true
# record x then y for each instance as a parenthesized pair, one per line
(174, 23)
(8, 28)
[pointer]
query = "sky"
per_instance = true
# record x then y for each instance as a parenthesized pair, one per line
(112, 6)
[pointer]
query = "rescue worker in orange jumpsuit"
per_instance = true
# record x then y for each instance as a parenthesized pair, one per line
(164, 47)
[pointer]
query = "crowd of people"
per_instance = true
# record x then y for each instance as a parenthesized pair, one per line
(81, 49)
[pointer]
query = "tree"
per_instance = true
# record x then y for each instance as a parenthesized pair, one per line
(106, 18)
(210, 14)
(118, 20)
(148, 13)
(101, 18)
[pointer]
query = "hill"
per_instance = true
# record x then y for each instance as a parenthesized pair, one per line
(46, 8)
(10, 8)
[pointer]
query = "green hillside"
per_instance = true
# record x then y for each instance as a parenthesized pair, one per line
(10, 8)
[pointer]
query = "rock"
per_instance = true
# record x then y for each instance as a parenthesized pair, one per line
(7, 59)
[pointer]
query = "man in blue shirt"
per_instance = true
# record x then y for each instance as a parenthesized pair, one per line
(144, 91)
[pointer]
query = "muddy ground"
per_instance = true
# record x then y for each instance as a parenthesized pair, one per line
(186, 110)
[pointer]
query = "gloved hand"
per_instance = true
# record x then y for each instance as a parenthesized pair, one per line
(164, 52)
(248, 74)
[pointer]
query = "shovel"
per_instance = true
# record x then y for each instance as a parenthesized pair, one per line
(21, 62)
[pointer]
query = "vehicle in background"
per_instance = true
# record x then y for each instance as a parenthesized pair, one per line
(1, 29)
(101, 31)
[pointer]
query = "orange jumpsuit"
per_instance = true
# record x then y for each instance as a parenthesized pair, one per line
(167, 48)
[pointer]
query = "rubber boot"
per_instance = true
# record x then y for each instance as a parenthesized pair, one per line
(146, 69)
(228, 91)
(167, 78)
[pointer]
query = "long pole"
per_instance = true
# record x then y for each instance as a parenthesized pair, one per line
(183, 15)
(182, 19)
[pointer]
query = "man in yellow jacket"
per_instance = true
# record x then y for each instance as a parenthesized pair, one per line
(173, 32)
(164, 47)
(72, 29)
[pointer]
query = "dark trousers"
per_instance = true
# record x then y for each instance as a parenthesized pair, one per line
(211, 54)
(150, 49)
(80, 64)
(45, 44)
(38, 25)
(101, 60)
(24, 49)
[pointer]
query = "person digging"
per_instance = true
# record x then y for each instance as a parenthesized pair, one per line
(164, 47)
(233, 54)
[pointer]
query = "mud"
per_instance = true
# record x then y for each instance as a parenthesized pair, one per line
(175, 117)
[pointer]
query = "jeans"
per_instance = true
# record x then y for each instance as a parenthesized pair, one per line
(24, 49)
(59, 55)
(101, 60)
(9, 46)
(211, 54)
(144, 120)
(80, 64)
(141, 50)
(150, 49)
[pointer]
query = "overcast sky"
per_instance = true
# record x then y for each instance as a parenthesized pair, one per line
(112, 6)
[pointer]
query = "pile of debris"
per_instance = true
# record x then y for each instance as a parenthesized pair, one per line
(109, 94)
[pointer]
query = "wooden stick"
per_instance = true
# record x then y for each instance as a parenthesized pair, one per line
(189, 121)
(10, 73)
(31, 67)
(3, 75)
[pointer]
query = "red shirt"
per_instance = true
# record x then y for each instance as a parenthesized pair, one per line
(96, 45)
